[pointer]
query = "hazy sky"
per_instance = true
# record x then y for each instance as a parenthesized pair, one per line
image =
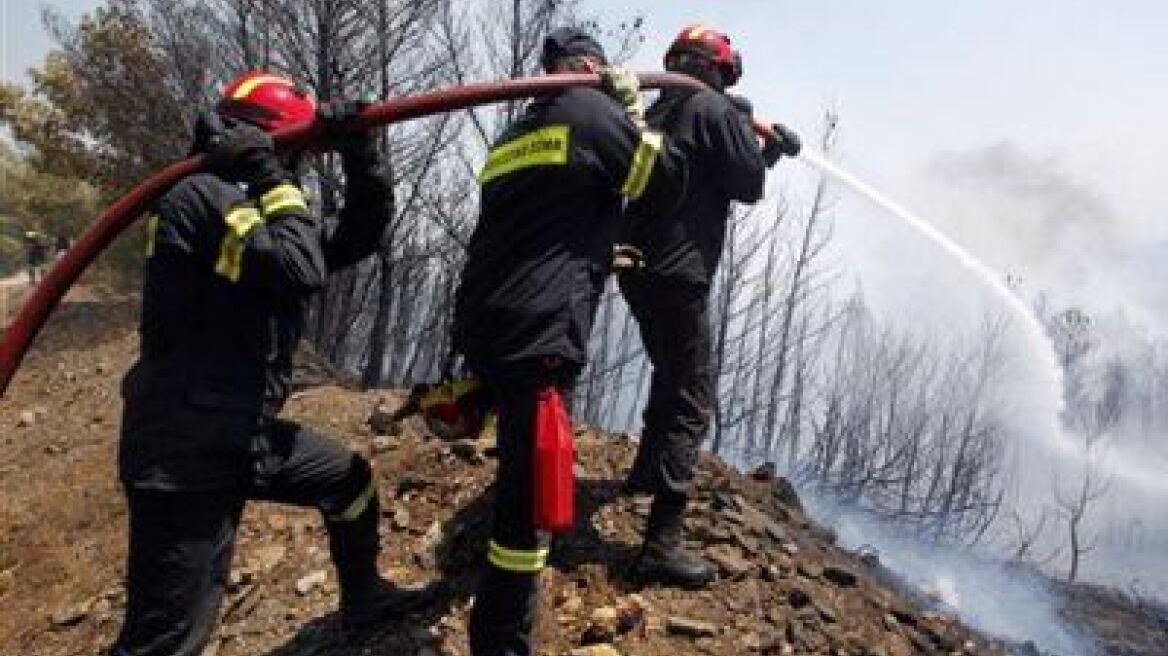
(955, 109)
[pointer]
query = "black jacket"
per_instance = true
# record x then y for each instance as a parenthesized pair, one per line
(553, 193)
(222, 315)
(726, 164)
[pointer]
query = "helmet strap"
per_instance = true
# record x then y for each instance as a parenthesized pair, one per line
(697, 66)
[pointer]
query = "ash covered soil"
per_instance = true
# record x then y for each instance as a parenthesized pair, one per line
(784, 587)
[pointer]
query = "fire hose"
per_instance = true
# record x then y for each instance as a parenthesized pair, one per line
(123, 212)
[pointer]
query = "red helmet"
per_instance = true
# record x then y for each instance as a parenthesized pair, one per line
(711, 45)
(266, 100)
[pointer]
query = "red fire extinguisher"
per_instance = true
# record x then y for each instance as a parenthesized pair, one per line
(555, 459)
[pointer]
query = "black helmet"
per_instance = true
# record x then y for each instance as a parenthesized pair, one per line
(569, 42)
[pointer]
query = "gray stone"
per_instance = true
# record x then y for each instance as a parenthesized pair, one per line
(842, 577)
(691, 628)
(311, 581)
(69, 617)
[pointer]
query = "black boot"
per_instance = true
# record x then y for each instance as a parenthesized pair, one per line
(366, 597)
(502, 621)
(662, 559)
(641, 478)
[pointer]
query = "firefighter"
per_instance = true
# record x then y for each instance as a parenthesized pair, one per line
(35, 253)
(233, 258)
(669, 293)
(553, 189)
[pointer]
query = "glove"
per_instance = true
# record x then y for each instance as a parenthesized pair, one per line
(741, 103)
(457, 409)
(349, 142)
(622, 85)
(785, 142)
(241, 152)
(626, 257)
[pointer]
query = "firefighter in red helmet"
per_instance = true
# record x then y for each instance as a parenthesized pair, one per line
(669, 294)
(234, 255)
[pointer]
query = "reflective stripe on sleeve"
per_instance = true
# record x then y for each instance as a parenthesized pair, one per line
(518, 561)
(642, 167)
(240, 222)
(283, 198)
(544, 147)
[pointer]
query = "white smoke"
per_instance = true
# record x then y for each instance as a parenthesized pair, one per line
(1000, 600)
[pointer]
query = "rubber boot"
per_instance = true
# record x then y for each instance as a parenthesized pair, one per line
(366, 597)
(502, 621)
(641, 479)
(662, 558)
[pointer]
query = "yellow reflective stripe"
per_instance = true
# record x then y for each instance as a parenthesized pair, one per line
(544, 147)
(642, 167)
(240, 222)
(282, 198)
(512, 560)
(357, 507)
(698, 31)
(151, 234)
(246, 88)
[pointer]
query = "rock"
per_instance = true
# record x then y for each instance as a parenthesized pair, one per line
(904, 616)
(748, 544)
(598, 634)
(890, 622)
(411, 483)
(309, 582)
(467, 452)
(69, 617)
(595, 650)
(842, 577)
(765, 472)
(266, 557)
(798, 598)
(827, 613)
(790, 548)
(809, 570)
(401, 517)
(605, 615)
(691, 628)
(26, 419)
(729, 561)
(384, 443)
(785, 494)
(383, 420)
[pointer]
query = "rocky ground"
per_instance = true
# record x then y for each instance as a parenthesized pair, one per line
(784, 586)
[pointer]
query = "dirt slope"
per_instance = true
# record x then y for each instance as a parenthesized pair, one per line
(784, 587)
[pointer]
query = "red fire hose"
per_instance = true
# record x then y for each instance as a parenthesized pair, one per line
(117, 217)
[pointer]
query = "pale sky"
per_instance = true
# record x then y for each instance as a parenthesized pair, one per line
(1075, 89)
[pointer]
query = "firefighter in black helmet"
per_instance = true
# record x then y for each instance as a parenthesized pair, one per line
(234, 255)
(553, 189)
(669, 294)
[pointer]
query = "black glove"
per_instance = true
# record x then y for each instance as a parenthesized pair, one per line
(785, 142)
(356, 143)
(240, 152)
(741, 103)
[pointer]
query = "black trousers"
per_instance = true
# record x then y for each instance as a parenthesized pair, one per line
(503, 617)
(181, 541)
(674, 323)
